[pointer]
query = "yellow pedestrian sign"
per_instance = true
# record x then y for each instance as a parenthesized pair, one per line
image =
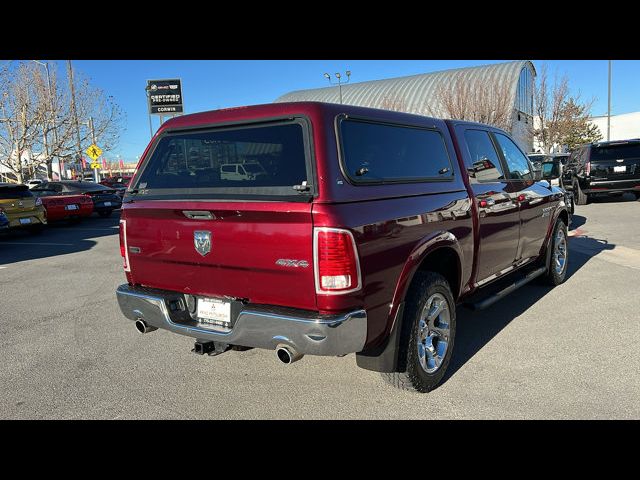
(94, 152)
(95, 165)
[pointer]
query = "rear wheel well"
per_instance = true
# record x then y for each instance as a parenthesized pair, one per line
(444, 261)
(564, 216)
(384, 358)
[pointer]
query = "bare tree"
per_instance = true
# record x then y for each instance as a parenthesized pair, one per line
(562, 120)
(393, 103)
(481, 101)
(22, 117)
(36, 122)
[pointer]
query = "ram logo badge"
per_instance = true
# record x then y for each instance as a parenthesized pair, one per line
(202, 241)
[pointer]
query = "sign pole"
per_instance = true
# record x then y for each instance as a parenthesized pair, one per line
(149, 112)
(93, 140)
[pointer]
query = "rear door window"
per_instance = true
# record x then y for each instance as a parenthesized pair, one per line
(209, 164)
(386, 153)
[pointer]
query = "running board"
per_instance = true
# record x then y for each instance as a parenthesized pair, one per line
(487, 302)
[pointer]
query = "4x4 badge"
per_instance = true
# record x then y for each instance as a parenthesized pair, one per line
(202, 241)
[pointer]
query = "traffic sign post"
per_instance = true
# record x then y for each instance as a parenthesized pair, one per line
(94, 151)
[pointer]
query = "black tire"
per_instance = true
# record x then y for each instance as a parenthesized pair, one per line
(637, 194)
(105, 213)
(555, 276)
(410, 374)
(580, 197)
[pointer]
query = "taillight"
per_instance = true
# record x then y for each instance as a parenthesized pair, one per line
(587, 168)
(123, 246)
(336, 264)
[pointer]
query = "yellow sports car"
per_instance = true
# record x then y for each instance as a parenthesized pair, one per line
(22, 208)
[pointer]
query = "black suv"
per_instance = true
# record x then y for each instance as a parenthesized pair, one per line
(603, 168)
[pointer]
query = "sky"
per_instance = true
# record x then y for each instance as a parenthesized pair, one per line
(213, 84)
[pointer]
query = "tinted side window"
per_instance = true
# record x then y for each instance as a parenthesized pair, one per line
(485, 165)
(374, 152)
(517, 162)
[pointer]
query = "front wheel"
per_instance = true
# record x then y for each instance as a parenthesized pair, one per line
(427, 335)
(557, 271)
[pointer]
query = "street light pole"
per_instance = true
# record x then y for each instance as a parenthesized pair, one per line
(55, 130)
(609, 107)
(339, 77)
(75, 113)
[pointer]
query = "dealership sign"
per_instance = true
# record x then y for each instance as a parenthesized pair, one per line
(165, 96)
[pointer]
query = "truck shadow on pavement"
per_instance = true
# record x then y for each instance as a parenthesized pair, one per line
(58, 238)
(475, 329)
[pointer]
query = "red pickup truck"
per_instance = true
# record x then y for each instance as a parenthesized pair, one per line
(339, 230)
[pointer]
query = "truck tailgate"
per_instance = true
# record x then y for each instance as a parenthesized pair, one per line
(250, 244)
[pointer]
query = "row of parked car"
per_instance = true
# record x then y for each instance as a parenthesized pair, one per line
(602, 168)
(32, 206)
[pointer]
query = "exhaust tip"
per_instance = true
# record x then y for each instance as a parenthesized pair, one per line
(287, 354)
(283, 355)
(142, 326)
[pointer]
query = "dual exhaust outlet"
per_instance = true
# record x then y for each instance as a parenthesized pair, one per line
(285, 353)
(144, 327)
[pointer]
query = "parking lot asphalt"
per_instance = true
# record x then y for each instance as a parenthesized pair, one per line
(565, 353)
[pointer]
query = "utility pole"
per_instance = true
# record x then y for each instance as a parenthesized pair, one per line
(75, 113)
(609, 107)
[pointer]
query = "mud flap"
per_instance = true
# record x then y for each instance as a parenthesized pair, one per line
(383, 358)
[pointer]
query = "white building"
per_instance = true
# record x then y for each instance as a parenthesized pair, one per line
(623, 126)
(418, 94)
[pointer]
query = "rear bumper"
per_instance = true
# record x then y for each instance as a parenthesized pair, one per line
(60, 213)
(35, 218)
(104, 208)
(256, 326)
(606, 186)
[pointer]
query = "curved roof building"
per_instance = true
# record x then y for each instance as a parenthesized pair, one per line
(420, 94)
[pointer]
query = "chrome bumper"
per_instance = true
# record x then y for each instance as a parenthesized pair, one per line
(256, 326)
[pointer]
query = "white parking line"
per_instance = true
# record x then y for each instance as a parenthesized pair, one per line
(37, 243)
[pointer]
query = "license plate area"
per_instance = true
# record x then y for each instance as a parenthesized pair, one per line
(107, 204)
(620, 169)
(213, 312)
(25, 221)
(71, 207)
